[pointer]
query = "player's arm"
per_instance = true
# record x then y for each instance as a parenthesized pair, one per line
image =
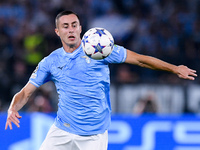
(18, 101)
(157, 64)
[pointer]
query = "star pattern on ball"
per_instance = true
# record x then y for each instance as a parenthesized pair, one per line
(98, 48)
(85, 40)
(100, 32)
(111, 43)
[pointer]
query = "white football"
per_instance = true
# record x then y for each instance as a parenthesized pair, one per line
(97, 43)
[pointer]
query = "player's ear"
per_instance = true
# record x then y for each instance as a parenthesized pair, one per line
(57, 32)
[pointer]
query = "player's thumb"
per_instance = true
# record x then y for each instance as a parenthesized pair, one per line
(18, 116)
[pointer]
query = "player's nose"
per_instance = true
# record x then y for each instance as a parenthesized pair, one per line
(71, 29)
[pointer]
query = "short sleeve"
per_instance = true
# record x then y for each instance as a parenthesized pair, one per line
(118, 55)
(41, 74)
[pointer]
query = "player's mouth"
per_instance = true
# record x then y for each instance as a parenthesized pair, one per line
(71, 37)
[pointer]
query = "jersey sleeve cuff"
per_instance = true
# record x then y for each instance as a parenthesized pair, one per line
(35, 84)
(125, 55)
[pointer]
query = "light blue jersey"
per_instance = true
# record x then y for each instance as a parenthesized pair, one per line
(83, 86)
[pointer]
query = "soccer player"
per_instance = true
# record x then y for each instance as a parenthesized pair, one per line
(83, 86)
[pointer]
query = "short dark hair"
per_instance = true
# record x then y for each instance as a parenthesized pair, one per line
(63, 13)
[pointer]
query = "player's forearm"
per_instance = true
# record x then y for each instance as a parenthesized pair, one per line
(149, 62)
(157, 64)
(18, 101)
(21, 98)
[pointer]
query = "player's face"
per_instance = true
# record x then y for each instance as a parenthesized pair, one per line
(69, 30)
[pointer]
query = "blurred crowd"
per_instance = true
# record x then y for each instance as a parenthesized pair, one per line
(166, 29)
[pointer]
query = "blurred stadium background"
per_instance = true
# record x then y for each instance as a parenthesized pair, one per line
(152, 110)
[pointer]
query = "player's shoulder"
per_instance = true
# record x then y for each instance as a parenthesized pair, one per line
(54, 55)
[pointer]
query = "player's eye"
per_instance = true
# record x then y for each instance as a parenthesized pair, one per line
(74, 25)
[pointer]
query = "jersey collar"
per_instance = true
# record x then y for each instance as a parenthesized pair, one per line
(73, 54)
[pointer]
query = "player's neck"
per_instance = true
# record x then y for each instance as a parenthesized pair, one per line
(71, 48)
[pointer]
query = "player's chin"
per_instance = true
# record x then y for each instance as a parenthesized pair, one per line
(71, 45)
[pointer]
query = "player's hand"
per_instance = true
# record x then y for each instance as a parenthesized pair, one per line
(13, 116)
(186, 73)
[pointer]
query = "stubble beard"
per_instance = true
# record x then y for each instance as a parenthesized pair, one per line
(72, 45)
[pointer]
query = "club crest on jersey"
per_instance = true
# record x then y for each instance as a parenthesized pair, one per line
(87, 59)
(34, 74)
